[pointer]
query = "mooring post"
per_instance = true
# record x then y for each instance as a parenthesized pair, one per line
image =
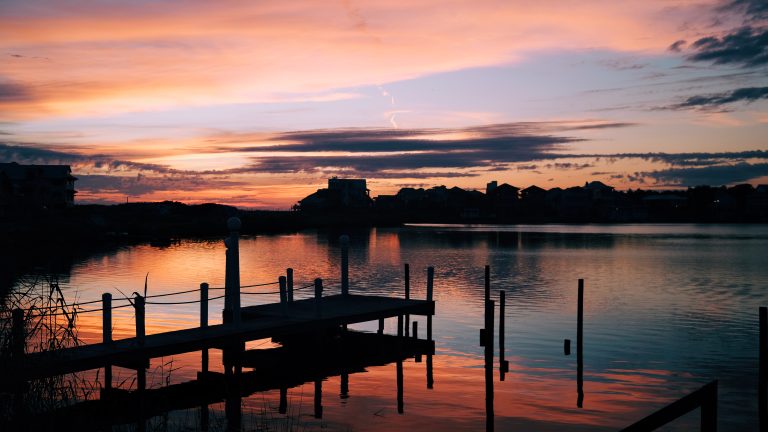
(399, 326)
(487, 282)
(430, 288)
(580, 346)
(283, 294)
(319, 399)
(489, 309)
(400, 401)
(762, 390)
(708, 415)
(407, 295)
(567, 347)
(283, 407)
(381, 326)
(204, 323)
(344, 390)
(106, 335)
(289, 281)
(232, 273)
(503, 363)
(318, 297)
(138, 304)
(417, 358)
(344, 241)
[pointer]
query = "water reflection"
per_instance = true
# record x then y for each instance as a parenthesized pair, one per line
(668, 309)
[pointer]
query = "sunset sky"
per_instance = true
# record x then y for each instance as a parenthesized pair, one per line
(256, 104)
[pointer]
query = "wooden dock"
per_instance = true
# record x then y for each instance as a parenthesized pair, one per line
(258, 322)
(301, 360)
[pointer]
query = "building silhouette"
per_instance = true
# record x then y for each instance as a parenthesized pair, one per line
(35, 187)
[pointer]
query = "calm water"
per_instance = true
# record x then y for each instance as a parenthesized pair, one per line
(667, 309)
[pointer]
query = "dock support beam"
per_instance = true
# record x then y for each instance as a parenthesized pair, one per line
(344, 241)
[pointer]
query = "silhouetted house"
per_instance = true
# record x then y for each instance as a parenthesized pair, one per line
(491, 186)
(504, 200)
(340, 194)
(35, 187)
(598, 190)
(757, 204)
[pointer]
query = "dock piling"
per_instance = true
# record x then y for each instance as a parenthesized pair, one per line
(400, 401)
(289, 281)
(204, 322)
(283, 407)
(580, 346)
(407, 294)
(762, 390)
(319, 399)
(344, 241)
(381, 326)
(106, 335)
(503, 364)
(318, 297)
(139, 306)
(430, 289)
(489, 421)
(487, 282)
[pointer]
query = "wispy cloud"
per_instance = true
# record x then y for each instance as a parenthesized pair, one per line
(718, 101)
(746, 46)
(712, 175)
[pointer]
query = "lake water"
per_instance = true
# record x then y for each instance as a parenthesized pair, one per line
(668, 308)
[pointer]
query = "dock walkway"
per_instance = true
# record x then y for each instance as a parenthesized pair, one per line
(258, 322)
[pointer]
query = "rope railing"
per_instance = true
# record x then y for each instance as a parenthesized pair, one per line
(77, 305)
(128, 299)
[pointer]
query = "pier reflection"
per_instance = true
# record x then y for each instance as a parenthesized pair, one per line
(300, 359)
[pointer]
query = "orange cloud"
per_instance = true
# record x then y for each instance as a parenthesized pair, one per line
(128, 57)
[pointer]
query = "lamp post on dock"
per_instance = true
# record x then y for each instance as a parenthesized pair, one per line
(232, 273)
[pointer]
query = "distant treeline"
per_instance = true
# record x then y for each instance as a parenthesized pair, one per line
(593, 202)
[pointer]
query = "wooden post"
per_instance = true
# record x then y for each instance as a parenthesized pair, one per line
(430, 289)
(232, 273)
(407, 295)
(138, 304)
(487, 283)
(319, 399)
(289, 280)
(503, 364)
(415, 329)
(318, 297)
(400, 326)
(430, 375)
(580, 346)
(762, 390)
(283, 289)
(344, 391)
(106, 336)
(283, 408)
(489, 419)
(567, 347)
(381, 326)
(204, 323)
(709, 410)
(344, 241)
(400, 401)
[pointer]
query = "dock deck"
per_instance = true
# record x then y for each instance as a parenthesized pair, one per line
(258, 322)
